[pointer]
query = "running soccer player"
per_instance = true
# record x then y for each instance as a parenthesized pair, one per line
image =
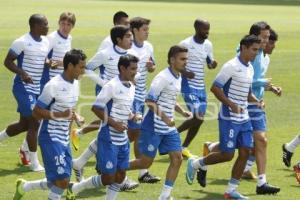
(200, 53)
(55, 106)
(30, 51)
(113, 107)
(232, 87)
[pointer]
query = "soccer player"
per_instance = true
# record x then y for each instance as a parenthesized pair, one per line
(140, 29)
(30, 51)
(232, 87)
(288, 150)
(59, 44)
(158, 130)
(200, 53)
(113, 107)
(55, 106)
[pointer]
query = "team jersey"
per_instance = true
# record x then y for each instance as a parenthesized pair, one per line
(107, 42)
(59, 45)
(235, 78)
(58, 95)
(31, 55)
(198, 56)
(163, 91)
(116, 99)
(145, 54)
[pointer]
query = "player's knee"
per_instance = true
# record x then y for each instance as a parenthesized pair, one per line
(227, 156)
(261, 141)
(63, 184)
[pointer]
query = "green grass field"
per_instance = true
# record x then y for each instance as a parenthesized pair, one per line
(171, 22)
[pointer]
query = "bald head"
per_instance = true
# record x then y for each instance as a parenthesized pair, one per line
(201, 28)
(36, 19)
(38, 24)
(200, 23)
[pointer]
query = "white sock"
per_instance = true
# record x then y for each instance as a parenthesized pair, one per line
(199, 163)
(142, 172)
(86, 155)
(79, 133)
(250, 163)
(289, 146)
(232, 185)
(3, 135)
(166, 192)
(91, 182)
(112, 191)
(261, 179)
(33, 158)
(24, 146)
(55, 193)
(42, 184)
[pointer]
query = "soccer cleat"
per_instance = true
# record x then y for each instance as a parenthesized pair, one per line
(297, 171)
(149, 178)
(234, 195)
(248, 175)
(24, 156)
(190, 171)
(206, 150)
(19, 193)
(186, 153)
(70, 195)
(201, 177)
(78, 174)
(36, 167)
(75, 139)
(129, 185)
(286, 156)
(267, 189)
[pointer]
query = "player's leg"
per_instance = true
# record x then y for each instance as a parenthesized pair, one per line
(288, 150)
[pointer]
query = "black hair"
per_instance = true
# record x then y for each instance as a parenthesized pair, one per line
(248, 40)
(257, 27)
(118, 16)
(125, 61)
(36, 19)
(73, 56)
(138, 22)
(118, 31)
(174, 50)
(273, 35)
(199, 23)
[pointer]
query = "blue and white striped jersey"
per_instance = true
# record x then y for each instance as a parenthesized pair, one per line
(31, 55)
(58, 95)
(116, 98)
(163, 91)
(198, 56)
(235, 78)
(145, 54)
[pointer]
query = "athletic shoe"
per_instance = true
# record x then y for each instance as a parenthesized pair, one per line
(19, 193)
(129, 185)
(70, 195)
(249, 175)
(190, 171)
(234, 195)
(186, 153)
(149, 178)
(206, 150)
(286, 156)
(24, 156)
(36, 167)
(75, 139)
(297, 171)
(267, 189)
(78, 174)
(201, 177)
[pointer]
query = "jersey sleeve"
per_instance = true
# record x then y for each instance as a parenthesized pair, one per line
(152, 58)
(210, 54)
(17, 47)
(104, 96)
(156, 87)
(224, 75)
(97, 60)
(47, 96)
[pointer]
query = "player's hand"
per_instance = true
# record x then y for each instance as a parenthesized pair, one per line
(189, 75)
(150, 66)
(67, 114)
(120, 126)
(170, 122)
(276, 90)
(236, 108)
(261, 104)
(79, 120)
(137, 117)
(268, 83)
(213, 65)
(187, 114)
(26, 78)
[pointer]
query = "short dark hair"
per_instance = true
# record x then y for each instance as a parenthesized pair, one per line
(174, 50)
(138, 22)
(125, 61)
(73, 56)
(257, 27)
(118, 16)
(118, 31)
(70, 17)
(273, 35)
(248, 40)
(36, 19)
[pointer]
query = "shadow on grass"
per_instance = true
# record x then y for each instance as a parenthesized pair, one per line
(207, 195)
(19, 170)
(89, 193)
(248, 2)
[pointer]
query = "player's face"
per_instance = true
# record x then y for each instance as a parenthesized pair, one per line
(251, 52)
(43, 27)
(124, 21)
(78, 69)
(65, 27)
(142, 32)
(126, 42)
(179, 61)
(264, 37)
(203, 31)
(270, 46)
(130, 71)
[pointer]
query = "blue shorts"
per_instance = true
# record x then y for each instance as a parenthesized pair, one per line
(149, 142)
(258, 118)
(233, 136)
(137, 107)
(25, 100)
(57, 160)
(196, 102)
(112, 158)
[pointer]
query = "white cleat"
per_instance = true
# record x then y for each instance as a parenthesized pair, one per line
(36, 168)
